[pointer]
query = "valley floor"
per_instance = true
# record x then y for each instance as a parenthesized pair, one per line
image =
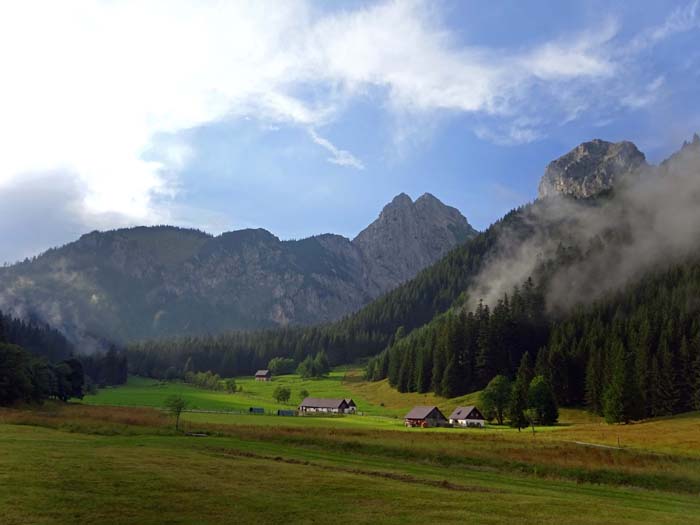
(80, 463)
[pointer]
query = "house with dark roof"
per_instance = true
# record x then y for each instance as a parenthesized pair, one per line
(324, 405)
(425, 417)
(263, 375)
(352, 407)
(468, 416)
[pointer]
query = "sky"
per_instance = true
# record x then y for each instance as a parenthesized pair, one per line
(307, 117)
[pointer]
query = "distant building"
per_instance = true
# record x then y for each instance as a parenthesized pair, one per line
(263, 375)
(256, 410)
(352, 407)
(286, 413)
(425, 417)
(324, 405)
(467, 417)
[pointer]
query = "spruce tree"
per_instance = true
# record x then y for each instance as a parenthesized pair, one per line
(518, 399)
(594, 382)
(621, 402)
(668, 383)
(542, 401)
(685, 378)
(450, 379)
(696, 383)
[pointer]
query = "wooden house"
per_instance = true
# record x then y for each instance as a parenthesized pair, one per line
(263, 375)
(324, 405)
(425, 417)
(468, 416)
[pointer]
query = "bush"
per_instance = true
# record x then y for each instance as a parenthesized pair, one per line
(282, 394)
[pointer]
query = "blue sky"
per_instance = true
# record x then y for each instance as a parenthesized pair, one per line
(305, 117)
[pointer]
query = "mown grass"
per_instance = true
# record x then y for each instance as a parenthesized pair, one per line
(70, 464)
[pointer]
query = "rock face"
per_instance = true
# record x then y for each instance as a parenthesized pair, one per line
(148, 282)
(590, 168)
(406, 237)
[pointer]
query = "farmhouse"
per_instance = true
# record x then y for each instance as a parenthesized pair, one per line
(425, 417)
(263, 375)
(319, 404)
(469, 416)
(352, 407)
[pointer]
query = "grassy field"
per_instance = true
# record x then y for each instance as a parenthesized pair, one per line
(376, 399)
(78, 463)
(91, 462)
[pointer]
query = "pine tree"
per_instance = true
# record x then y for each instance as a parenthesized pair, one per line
(621, 398)
(594, 382)
(685, 378)
(439, 365)
(518, 400)
(542, 401)
(696, 383)
(450, 379)
(668, 382)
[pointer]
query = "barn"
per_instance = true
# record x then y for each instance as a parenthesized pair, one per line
(425, 417)
(324, 405)
(263, 375)
(468, 416)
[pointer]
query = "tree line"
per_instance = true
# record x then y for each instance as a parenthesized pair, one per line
(633, 354)
(38, 363)
(460, 352)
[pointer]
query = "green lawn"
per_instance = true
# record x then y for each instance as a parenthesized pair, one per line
(116, 466)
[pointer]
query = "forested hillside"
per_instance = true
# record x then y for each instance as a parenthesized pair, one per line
(361, 334)
(38, 362)
(633, 354)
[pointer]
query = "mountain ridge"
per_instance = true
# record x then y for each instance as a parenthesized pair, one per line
(138, 282)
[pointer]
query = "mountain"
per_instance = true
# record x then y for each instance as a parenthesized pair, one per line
(590, 168)
(407, 235)
(146, 282)
(577, 252)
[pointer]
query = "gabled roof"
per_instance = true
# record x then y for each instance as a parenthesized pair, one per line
(463, 412)
(423, 412)
(262, 373)
(321, 402)
(350, 403)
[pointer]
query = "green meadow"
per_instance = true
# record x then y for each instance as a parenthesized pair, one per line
(114, 458)
(85, 464)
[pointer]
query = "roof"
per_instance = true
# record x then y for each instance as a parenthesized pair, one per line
(422, 412)
(463, 412)
(320, 402)
(350, 403)
(262, 373)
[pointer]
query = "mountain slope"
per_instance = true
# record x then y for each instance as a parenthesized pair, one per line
(582, 248)
(135, 283)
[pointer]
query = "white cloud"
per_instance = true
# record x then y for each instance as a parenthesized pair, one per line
(338, 156)
(680, 20)
(88, 84)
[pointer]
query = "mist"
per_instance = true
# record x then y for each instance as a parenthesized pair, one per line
(650, 222)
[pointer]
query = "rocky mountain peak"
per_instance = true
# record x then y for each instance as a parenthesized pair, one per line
(590, 168)
(409, 236)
